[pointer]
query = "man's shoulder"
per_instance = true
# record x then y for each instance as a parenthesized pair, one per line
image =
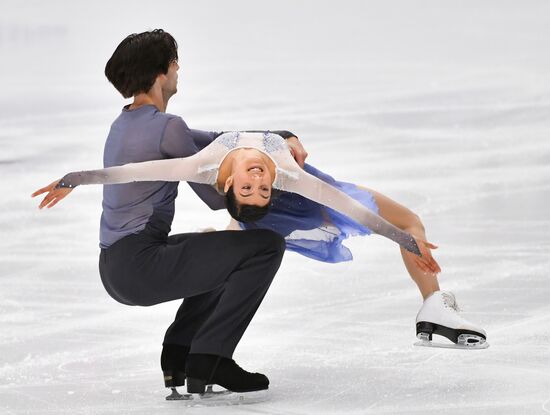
(151, 123)
(145, 114)
(174, 119)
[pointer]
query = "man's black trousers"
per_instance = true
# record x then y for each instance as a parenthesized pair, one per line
(222, 276)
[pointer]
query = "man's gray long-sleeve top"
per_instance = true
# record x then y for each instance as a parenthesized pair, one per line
(147, 134)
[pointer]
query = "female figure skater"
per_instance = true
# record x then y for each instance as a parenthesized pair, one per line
(315, 213)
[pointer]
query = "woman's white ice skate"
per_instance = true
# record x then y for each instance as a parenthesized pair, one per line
(439, 315)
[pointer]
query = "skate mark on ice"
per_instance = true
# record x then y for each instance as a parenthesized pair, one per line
(254, 409)
(544, 314)
(328, 397)
(257, 410)
(33, 397)
(79, 323)
(436, 354)
(7, 411)
(546, 406)
(366, 300)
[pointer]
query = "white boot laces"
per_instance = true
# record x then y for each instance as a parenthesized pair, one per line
(449, 301)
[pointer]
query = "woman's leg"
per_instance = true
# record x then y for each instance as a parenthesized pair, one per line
(408, 221)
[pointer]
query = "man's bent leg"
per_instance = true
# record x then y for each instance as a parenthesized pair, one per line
(242, 295)
(190, 317)
(238, 267)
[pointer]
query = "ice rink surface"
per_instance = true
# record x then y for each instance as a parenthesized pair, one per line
(444, 107)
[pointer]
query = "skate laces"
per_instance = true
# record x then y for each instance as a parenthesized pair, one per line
(449, 301)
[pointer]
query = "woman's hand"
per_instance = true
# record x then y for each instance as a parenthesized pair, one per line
(426, 263)
(297, 150)
(54, 195)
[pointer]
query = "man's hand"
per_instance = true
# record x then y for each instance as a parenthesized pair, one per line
(54, 195)
(297, 150)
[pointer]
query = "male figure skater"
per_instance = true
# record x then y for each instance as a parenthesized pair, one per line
(222, 276)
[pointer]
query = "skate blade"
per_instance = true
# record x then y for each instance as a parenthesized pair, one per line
(219, 398)
(463, 342)
(451, 345)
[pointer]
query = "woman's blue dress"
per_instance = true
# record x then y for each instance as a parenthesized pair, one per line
(311, 229)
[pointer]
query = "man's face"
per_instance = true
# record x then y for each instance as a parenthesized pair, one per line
(170, 85)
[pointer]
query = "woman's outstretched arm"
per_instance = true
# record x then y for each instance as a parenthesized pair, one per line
(327, 195)
(170, 170)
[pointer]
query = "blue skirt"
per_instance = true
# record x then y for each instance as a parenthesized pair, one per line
(312, 229)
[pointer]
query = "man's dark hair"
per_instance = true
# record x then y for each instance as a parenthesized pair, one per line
(139, 59)
(243, 213)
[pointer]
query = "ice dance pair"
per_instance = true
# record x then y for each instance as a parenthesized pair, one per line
(315, 213)
(223, 276)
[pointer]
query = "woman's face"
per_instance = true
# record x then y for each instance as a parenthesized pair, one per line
(251, 181)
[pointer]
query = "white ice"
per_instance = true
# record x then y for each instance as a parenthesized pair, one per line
(443, 106)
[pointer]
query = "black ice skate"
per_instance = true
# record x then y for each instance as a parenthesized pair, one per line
(439, 315)
(204, 372)
(172, 363)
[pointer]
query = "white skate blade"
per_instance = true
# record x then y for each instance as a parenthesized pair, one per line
(219, 398)
(462, 343)
(451, 345)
